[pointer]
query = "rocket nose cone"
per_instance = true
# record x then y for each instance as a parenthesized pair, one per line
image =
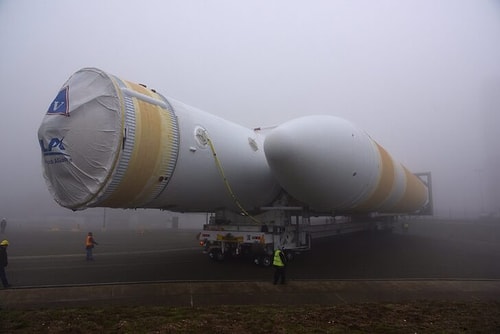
(293, 151)
(279, 146)
(80, 137)
(318, 159)
(296, 144)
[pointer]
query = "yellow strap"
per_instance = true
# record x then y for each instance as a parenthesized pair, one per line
(226, 183)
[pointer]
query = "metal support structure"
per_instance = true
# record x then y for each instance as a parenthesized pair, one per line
(426, 178)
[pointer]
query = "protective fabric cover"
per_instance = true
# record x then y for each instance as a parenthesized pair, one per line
(80, 137)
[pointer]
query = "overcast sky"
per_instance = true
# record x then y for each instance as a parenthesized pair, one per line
(421, 77)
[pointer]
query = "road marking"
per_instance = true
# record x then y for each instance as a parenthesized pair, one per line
(32, 257)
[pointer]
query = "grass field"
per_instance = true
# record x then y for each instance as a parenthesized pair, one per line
(417, 317)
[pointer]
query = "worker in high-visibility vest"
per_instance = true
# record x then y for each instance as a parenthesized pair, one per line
(279, 263)
(3, 263)
(89, 245)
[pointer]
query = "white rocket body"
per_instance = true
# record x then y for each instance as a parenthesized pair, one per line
(107, 142)
(332, 165)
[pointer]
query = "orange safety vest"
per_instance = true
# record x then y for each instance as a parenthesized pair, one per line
(89, 242)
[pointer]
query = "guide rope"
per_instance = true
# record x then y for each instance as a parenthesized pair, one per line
(226, 182)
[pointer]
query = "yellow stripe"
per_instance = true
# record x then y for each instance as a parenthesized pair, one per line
(415, 194)
(385, 184)
(145, 165)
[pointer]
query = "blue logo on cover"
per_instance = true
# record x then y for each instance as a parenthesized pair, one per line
(60, 105)
(54, 151)
(55, 147)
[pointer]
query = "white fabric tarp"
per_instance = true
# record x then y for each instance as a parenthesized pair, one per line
(80, 137)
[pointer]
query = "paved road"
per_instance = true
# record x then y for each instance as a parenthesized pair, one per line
(430, 250)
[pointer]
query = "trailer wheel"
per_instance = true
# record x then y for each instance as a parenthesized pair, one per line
(216, 255)
(266, 261)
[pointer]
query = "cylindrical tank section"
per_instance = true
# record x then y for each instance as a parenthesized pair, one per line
(332, 166)
(107, 142)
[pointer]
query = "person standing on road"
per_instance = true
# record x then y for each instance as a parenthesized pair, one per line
(89, 245)
(3, 263)
(3, 225)
(279, 263)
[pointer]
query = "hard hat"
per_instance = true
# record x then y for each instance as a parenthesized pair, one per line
(4, 243)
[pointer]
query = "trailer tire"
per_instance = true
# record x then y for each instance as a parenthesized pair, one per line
(216, 255)
(266, 261)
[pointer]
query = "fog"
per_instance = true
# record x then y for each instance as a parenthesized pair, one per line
(421, 77)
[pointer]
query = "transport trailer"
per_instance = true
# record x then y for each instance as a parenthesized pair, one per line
(256, 238)
(226, 241)
(228, 235)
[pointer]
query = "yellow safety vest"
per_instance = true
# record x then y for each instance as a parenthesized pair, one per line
(277, 259)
